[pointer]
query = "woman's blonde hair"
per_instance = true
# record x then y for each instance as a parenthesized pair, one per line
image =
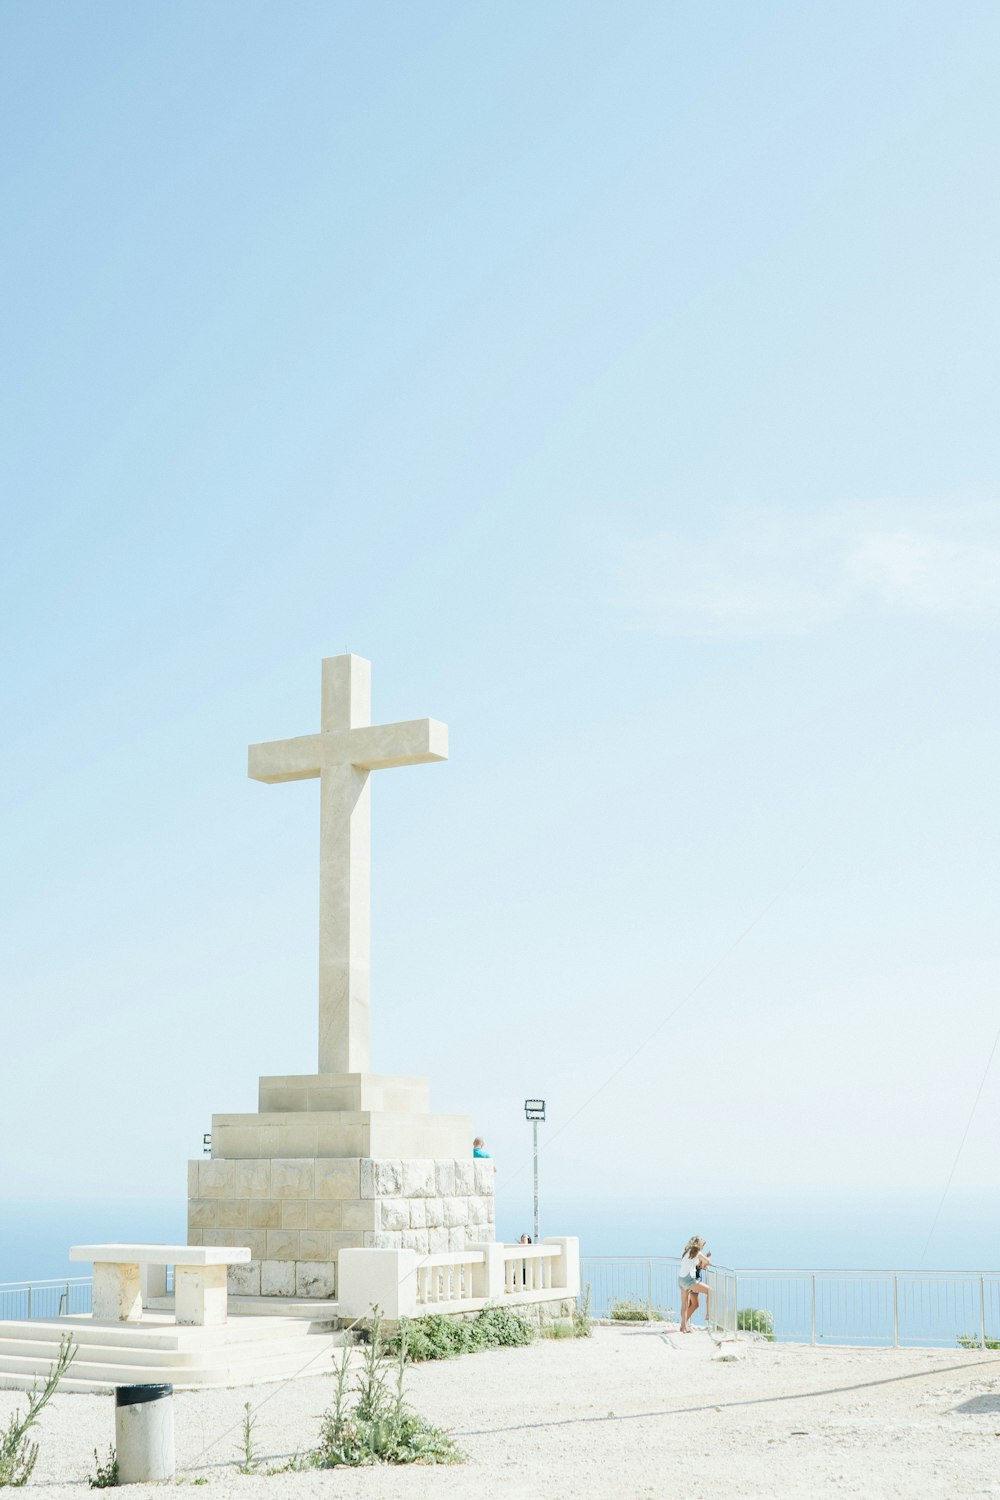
(694, 1245)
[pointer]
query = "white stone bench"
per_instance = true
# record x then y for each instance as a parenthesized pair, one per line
(199, 1279)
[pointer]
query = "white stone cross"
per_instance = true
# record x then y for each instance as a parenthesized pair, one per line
(348, 746)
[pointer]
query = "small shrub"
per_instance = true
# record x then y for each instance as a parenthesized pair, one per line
(559, 1331)
(435, 1337)
(975, 1341)
(380, 1427)
(18, 1456)
(756, 1320)
(105, 1476)
(501, 1327)
(443, 1336)
(625, 1310)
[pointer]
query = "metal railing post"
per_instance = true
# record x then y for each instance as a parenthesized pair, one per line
(812, 1280)
(895, 1312)
(29, 1301)
(649, 1287)
(982, 1314)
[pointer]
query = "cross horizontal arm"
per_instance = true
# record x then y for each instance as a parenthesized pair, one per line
(373, 748)
(286, 760)
(412, 743)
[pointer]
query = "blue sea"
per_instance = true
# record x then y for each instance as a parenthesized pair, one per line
(779, 1234)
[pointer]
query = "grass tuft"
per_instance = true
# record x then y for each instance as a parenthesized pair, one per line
(756, 1320)
(625, 1310)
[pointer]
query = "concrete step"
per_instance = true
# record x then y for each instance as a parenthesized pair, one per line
(317, 1309)
(100, 1353)
(153, 1332)
(260, 1350)
(246, 1350)
(106, 1381)
(20, 1373)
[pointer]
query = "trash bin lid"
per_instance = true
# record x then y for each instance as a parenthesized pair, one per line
(134, 1395)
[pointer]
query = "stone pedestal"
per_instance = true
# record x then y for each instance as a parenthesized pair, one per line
(200, 1295)
(116, 1292)
(333, 1162)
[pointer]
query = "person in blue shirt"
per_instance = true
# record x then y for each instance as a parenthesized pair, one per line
(479, 1148)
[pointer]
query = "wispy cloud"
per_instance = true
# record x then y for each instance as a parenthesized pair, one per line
(766, 573)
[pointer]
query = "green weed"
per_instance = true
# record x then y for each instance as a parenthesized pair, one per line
(379, 1427)
(583, 1325)
(250, 1462)
(18, 1455)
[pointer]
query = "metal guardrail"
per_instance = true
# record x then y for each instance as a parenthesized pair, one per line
(646, 1285)
(883, 1309)
(645, 1282)
(21, 1300)
(895, 1309)
(886, 1309)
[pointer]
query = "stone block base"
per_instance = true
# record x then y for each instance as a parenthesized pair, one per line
(541, 1314)
(545, 1314)
(297, 1213)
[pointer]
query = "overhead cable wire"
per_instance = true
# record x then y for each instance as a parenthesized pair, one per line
(961, 1146)
(688, 995)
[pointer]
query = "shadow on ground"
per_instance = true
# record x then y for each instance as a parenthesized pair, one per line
(979, 1405)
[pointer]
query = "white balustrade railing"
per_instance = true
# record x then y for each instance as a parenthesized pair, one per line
(464, 1276)
(528, 1268)
(404, 1283)
(450, 1277)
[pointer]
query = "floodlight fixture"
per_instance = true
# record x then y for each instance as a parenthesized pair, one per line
(534, 1111)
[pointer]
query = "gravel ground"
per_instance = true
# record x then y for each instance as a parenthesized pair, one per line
(631, 1412)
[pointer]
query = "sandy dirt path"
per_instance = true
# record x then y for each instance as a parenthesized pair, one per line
(631, 1412)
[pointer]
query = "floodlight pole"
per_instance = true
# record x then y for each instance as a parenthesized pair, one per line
(534, 1132)
(534, 1110)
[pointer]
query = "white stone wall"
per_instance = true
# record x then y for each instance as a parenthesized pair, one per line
(430, 1206)
(296, 1214)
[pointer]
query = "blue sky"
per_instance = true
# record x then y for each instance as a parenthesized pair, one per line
(621, 379)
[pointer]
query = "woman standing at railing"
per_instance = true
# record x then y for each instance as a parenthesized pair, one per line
(694, 1259)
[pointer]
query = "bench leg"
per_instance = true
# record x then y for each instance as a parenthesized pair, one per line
(154, 1282)
(200, 1295)
(117, 1293)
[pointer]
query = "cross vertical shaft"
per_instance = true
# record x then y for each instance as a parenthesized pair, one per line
(345, 845)
(343, 755)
